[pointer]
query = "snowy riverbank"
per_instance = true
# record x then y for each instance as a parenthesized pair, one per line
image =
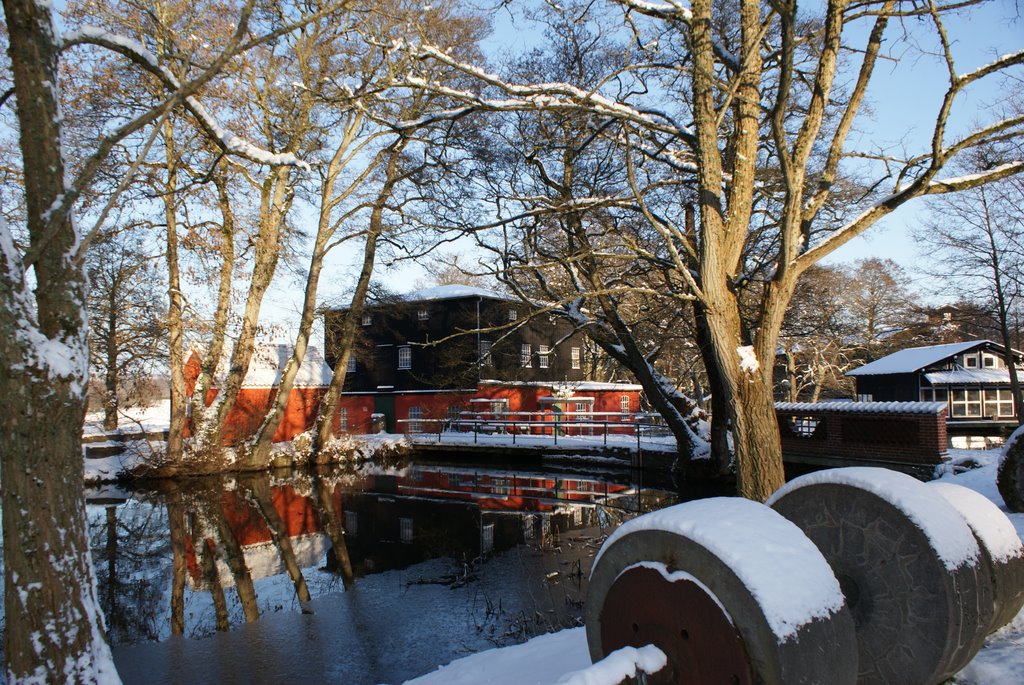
(553, 658)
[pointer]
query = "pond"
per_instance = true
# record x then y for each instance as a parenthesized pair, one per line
(358, 575)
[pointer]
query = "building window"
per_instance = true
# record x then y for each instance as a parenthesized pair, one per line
(367, 319)
(351, 522)
(998, 402)
(577, 358)
(989, 361)
(513, 315)
(415, 419)
(542, 356)
(865, 398)
(965, 402)
(405, 357)
(351, 368)
(423, 315)
(624, 404)
(485, 352)
(971, 361)
(487, 538)
(343, 418)
(526, 355)
(453, 415)
(405, 529)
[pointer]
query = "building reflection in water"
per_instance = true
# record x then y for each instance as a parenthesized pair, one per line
(204, 555)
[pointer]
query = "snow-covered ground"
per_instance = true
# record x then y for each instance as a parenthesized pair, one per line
(559, 657)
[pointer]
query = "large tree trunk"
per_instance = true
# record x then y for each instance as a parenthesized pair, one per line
(54, 631)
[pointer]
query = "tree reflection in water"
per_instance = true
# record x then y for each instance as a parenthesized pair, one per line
(200, 555)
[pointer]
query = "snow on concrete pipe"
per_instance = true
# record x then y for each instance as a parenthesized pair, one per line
(729, 590)
(1002, 554)
(909, 566)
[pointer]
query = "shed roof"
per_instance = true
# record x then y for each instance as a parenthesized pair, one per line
(915, 358)
(969, 377)
(847, 407)
(267, 366)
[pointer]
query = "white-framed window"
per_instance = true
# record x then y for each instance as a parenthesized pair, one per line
(989, 361)
(351, 522)
(865, 398)
(998, 402)
(542, 356)
(416, 419)
(487, 538)
(351, 368)
(526, 355)
(367, 319)
(624, 404)
(343, 418)
(971, 361)
(512, 314)
(422, 314)
(405, 529)
(405, 357)
(965, 402)
(577, 358)
(485, 352)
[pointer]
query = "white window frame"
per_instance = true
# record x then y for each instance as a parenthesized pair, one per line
(415, 424)
(625, 405)
(543, 358)
(513, 314)
(971, 361)
(367, 319)
(422, 314)
(405, 529)
(405, 357)
(526, 355)
(965, 402)
(576, 354)
(485, 352)
(343, 418)
(352, 364)
(998, 402)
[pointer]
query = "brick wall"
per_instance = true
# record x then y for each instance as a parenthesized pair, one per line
(912, 437)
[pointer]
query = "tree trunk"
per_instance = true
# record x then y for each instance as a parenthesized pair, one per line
(54, 631)
(175, 308)
(274, 204)
(179, 565)
(259, 489)
(235, 558)
(335, 530)
(110, 399)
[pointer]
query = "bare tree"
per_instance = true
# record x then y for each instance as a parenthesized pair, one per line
(126, 333)
(723, 97)
(48, 579)
(975, 246)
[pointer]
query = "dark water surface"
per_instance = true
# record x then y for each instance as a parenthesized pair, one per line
(406, 567)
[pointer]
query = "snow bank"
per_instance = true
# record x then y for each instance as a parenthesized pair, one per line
(617, 666)
(991, 526)
(782, 569)
(937, 519)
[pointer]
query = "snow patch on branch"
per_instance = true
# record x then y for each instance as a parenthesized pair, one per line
(621, 664)
(228, 140)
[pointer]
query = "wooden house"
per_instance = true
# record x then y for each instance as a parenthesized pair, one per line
(421, 360)
(970, 377)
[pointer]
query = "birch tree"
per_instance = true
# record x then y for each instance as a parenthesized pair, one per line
(739, 93)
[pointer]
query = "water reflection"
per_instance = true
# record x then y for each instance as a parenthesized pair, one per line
(511, 549)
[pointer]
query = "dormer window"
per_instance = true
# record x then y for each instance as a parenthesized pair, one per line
(513, 314)
(367, 319)
(989, 361)
(971, 361)
(422, 314)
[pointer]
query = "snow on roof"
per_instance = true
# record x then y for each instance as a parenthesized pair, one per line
(914, 358)
(792, 589)
(268, 362)
(864, 407)
(945, 528)
(969, 376)
(577, 386)
(451, 292)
